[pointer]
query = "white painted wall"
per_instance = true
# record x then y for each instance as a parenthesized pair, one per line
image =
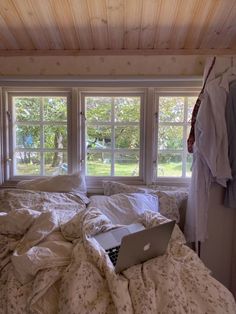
(217, 251)
(102, 65)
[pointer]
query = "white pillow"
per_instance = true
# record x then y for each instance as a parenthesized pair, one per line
(61, 183)
(113, 187)
(170, 197)
(124, 208)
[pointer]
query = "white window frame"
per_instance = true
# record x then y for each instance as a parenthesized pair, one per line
(8, 131)
(149, 87)
(95, 181)
(172, 92)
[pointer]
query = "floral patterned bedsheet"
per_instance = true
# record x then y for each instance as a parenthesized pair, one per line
(50, 263)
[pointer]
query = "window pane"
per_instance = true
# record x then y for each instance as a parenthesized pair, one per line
(55, 137)
(98, 137)
(171, 109)
(98, 108)
(27, 136)
(170, 137)
(113, 123)
(54, 108)
(27, 108)
(27, 163)
(55, 163)
(169, 165)
(127, 137)
(127, 109)
(98, 164)
(127, 164)
(40, 125)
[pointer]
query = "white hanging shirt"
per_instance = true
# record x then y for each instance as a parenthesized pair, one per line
(210, 160)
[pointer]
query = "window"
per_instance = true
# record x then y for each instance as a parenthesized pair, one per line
(39, 132)
(136, 135)
(113, 137)
(173, 127)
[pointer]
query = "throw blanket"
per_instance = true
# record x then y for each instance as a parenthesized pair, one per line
(52, 264)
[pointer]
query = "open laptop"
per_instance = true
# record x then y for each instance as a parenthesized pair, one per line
(133, 244)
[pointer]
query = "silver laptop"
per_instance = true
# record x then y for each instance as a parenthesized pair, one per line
(133, 244)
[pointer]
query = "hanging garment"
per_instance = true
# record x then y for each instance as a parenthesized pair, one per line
(191, 138)
(210, 157)
(230, 116)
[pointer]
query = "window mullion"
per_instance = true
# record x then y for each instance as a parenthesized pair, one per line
(185, 128)
(75, 129)
(42, 155)
(11, 123)
(149, 134)
(113, 137)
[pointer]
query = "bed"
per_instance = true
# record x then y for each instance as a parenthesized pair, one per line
(50, 262)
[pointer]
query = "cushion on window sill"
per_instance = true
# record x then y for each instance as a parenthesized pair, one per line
(74, 183)
(113, 187)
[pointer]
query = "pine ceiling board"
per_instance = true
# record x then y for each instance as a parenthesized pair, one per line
(7, 40)
(232, 29)
(150, 14)
(98, 20)
(115, 15)
(65, 21)
(168, 13)
(201, 18)
(49, 24)
(228, 36)
(15, 24)
(2, 47)
(3, 42)
(117, 27)
(183, 19)
(215, 34)
(133, 13)
(82, 23)
(31, 22)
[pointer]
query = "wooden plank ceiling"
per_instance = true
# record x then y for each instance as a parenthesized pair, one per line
(95, 27)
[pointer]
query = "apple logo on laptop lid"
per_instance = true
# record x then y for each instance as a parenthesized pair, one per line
(147, 247)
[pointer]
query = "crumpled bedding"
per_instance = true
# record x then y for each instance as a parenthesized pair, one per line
(50, 263)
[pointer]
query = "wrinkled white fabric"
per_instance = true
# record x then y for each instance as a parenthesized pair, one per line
(35, 251)
(124, 208)
(76, 275)
(17, 221)
(74, 183)
(210, 157)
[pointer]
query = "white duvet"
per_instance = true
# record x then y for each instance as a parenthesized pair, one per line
(50, 263)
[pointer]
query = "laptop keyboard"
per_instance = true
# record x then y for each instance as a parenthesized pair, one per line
(113, 254)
